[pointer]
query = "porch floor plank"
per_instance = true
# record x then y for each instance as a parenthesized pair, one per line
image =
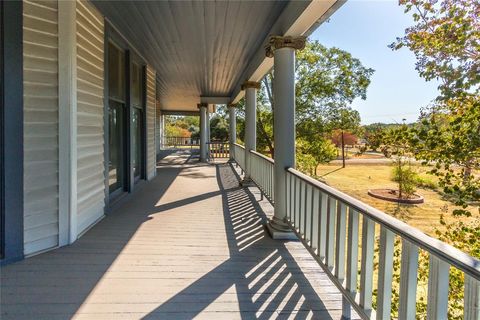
(189, 244)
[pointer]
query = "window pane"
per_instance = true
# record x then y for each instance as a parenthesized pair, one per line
(137, 141)
(116, 157)
(116, 73)
(136, 85)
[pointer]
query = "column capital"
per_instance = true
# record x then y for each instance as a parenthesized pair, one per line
(202, 105)
(232, 105)
(278, 42)
(250, 84)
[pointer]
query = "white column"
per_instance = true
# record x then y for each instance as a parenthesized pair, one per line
(250, 125)
(283, 51)
(232, 126)
(208, 125)
(203, 131)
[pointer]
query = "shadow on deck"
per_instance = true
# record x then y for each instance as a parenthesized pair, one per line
(189, 244)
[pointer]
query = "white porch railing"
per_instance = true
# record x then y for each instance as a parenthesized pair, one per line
(262, 173)
(328, 223)
(239, 155)
(217, 150)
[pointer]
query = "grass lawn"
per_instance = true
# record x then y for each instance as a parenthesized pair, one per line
(356, 179)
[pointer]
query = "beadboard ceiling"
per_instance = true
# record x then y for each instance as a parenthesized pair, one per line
(200, 48)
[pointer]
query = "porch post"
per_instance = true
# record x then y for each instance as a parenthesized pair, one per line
(250, 88)
(232, 125)
(282, 49)
(203, 131)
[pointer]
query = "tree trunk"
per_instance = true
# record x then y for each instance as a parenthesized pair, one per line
(343, 151)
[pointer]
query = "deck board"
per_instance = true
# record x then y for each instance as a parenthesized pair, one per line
(189, 244)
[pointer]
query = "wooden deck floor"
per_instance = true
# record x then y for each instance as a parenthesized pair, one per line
(190, 244)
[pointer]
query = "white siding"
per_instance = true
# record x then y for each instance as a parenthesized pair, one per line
(158, 129)
(151, 99)
(90, 141)
(40, 58)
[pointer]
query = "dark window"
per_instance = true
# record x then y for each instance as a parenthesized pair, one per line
(117, 164)
(137, 90)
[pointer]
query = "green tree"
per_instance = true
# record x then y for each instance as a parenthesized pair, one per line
(345, 119)
(327, 80)
(445, 39)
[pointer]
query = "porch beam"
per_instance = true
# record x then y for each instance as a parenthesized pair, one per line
(282, 49)
(215, 100)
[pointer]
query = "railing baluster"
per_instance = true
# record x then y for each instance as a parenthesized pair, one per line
(332, 210)
(352, 259)
(310, 214)
(385, 274)
(366, 271)
(408, 281)
(340, 241)
(297, 204)
(315, 219)
(471, 299)
(323, 224)
(288, 193)
(300, 208)
(306, 214)
(437, 303)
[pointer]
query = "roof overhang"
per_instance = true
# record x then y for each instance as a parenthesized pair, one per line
(203, 51)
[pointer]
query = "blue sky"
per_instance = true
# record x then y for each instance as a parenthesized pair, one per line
(365, 29)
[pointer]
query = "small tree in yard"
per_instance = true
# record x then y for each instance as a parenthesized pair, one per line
(397, 145)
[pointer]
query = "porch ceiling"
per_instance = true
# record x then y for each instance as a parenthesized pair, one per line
(202, 48)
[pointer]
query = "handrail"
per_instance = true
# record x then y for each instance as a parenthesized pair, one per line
(262, 156)
(450, 254)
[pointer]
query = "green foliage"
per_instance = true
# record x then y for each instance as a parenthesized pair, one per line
(218, 128)
(405, 176)
(446, 42)
(425, 182)
(312, 153)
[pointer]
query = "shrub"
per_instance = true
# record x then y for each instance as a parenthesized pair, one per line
(406, 178)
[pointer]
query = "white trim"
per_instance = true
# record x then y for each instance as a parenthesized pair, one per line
(67, 99)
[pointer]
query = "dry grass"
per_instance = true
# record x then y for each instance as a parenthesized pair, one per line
(356, 179)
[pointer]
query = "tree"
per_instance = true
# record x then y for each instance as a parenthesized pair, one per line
(345, 119)
(446, 41)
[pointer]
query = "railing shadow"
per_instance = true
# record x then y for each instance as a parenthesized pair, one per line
(267, 279)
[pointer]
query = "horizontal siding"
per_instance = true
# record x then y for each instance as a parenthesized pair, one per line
(40, 57)
(151, 98)
(90, 131)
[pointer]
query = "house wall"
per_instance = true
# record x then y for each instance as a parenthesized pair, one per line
(40, 58)
(151, 106)
(90, 113)
(48, 218)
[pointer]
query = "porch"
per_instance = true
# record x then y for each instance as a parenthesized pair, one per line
(191, 243)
